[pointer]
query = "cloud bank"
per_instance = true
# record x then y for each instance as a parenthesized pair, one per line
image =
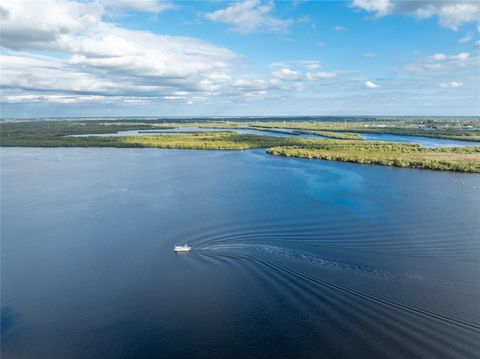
(451, 14)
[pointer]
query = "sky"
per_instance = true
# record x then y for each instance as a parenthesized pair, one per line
(107, 58)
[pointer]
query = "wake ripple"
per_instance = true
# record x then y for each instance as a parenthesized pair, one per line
(336, 266)
(385, 327)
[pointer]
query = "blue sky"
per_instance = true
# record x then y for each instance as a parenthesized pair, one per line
(202, 58)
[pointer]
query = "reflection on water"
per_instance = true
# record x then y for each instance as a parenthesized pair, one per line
(291, 258)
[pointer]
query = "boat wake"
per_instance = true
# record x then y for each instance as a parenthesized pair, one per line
(379, 317)
(332, 265)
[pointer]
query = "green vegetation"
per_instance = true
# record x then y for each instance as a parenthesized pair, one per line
(344, 146)
(208, 141)
(465, 159)
(55, 134)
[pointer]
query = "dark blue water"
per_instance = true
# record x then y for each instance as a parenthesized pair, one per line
(291, 258)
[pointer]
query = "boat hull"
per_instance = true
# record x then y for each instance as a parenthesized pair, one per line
(182, 249)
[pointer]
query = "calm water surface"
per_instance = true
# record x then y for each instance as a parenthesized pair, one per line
(423, 141)
(291, 258)
(246, 131)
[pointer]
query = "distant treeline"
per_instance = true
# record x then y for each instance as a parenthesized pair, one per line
(421, 120)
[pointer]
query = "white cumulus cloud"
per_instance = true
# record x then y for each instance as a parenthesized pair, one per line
(286, 74)
(442, 62)
(312, 76)
(44, 24)
(250, 16)
(379, 7)
(438, 57)
(452, 84)
(370, 85)
(460, 57)
(94, 59)
(451, 14)
(151, 6)
(310, 64)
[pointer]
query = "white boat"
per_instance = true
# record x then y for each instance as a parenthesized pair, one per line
(184, 248)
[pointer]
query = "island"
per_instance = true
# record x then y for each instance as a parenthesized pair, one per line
(333, 139)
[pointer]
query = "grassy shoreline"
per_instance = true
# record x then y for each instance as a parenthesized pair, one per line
(465, 159)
